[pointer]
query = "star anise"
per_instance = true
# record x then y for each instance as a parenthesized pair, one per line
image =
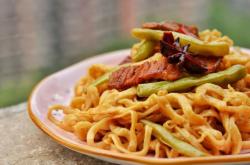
(179, 55)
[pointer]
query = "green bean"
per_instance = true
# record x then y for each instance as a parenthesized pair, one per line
(147, 34)
(166, 137)
(144, 50)
(230, 75)
(196, 46)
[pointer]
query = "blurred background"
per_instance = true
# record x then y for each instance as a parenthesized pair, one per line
(39, 37)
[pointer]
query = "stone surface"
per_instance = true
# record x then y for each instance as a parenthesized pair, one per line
(23, 143)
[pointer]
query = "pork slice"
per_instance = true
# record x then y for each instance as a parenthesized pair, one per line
(172, 26)
(130, 76)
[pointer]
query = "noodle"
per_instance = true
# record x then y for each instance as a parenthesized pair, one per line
(211, 118)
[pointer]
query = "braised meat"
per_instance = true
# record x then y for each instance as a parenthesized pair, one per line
(133, 75)
(172, 26)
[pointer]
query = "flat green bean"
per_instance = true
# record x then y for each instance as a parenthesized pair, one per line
(197, 47)
(230, 75)
(144, 50)
(166, 137)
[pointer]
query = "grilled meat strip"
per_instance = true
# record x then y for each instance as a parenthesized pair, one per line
(173, 26)
(129, 76)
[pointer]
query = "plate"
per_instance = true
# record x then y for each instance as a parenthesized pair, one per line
(58, 89)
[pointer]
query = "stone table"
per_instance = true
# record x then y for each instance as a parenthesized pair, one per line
(23, 143)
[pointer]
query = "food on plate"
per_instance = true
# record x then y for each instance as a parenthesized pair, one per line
(181, 93)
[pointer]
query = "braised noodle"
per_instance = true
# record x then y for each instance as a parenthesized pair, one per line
(212, 118)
